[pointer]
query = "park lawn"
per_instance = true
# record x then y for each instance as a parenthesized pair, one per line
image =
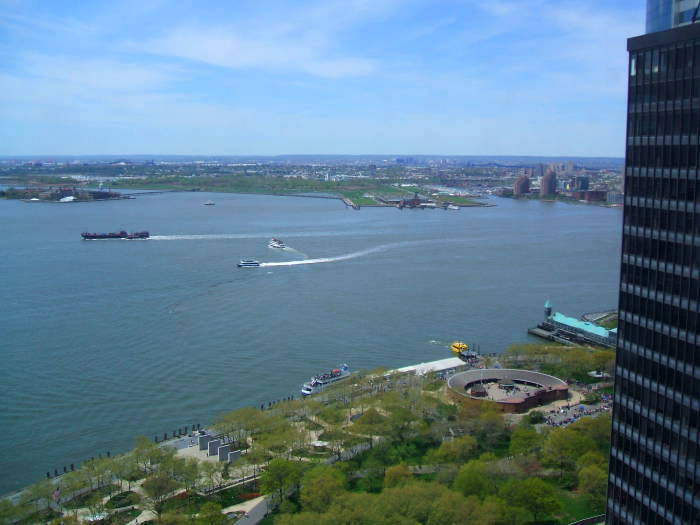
(120, 518)
(81, 501)
(225, 498)
(123, 499)
(608, 322)
(456, 199)
(433, 386)
(185, 504)
(358, 197)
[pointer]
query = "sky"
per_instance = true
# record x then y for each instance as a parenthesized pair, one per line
(268, 77)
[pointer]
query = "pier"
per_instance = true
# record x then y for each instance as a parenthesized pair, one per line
(350, 203)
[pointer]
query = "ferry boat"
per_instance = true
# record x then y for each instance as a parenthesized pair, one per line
(463, 351)
(248, 263)
(276, 243)
(321, 381)
(87, 236)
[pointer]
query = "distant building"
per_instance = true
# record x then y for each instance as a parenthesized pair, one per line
(521, 186)
(581, 183)
(590, 195)
(548, 184)
(614, 197)
(574, 330)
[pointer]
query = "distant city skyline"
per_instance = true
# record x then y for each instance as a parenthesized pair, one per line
(491, 78)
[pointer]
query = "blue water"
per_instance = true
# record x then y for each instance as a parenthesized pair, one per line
(105, 340)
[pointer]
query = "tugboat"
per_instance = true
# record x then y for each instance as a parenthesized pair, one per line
(118, 235)
(248, 263)
(276, 243)
(321, 381)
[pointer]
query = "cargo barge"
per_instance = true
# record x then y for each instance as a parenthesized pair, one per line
(87, 236)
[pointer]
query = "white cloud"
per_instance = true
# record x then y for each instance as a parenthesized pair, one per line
(282, 53)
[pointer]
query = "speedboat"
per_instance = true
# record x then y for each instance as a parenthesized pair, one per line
(248, 263)
(209, 203)
(276, 243)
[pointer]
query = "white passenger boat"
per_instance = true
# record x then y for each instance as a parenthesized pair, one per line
(276, 243)
(321, 381)
(248, 263)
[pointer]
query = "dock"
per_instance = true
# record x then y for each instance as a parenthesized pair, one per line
(350, 203)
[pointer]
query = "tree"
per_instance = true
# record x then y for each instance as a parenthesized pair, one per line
(212, 472)
(563, 446)
(474, 479)
(72, 484)
(524, 440)
(95, 505)
(125, 468)
(457, 450)
(9, 512)
(319, 486)
(454, 509)
(238, 424)
(39, 494)
(210, 514)
(280, 477)
(532, 494)
(158, 489)
(146, 452)
(397, 476)
(593, 481)
(590, 458)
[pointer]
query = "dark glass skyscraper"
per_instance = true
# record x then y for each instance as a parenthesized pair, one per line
(665, 14)
(654, 470)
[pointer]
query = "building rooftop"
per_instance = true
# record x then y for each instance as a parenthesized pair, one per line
(581, 325)
(432, 366)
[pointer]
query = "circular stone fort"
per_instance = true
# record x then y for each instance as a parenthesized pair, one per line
(512, 390)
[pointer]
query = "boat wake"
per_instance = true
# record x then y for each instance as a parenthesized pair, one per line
(353, 255)
(203, 237)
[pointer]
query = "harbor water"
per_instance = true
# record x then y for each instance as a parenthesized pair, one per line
(106, 340)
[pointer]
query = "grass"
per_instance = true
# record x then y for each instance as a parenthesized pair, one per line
(43, 516)
(456, 199)
(358, 197)
(123, 499)
(81, 501)
(120, 518)
(182, 504)
(434, 385)
(312, 425)
(609, 322)
(574, 507)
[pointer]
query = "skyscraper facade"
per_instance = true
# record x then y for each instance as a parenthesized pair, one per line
(654, 470)
(666, 14)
